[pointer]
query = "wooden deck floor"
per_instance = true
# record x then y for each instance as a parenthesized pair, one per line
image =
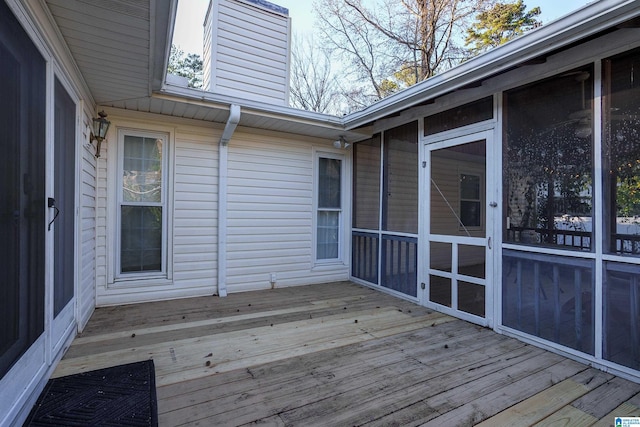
(342, 355)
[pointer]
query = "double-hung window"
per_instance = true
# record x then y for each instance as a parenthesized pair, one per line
(329, 206)
(142, 205)
(470, 200)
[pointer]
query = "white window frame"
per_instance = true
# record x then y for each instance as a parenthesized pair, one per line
(164, 272)
(481, 200)
(342, 211)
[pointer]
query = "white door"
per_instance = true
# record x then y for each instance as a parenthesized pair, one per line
(460, 200)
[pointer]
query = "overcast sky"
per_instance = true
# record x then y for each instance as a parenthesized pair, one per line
(190, 17)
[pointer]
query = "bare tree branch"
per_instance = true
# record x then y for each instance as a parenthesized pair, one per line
(313, 86)
(406, 41)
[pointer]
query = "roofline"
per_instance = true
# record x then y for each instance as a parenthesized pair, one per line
(583, 23)
(161, 22)
(592, 19)
(210, 99)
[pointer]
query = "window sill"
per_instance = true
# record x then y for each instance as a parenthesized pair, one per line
(139, 282)
(329, 265)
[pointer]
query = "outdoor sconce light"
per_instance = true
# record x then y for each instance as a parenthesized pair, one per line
(341, 143)
(100, 128)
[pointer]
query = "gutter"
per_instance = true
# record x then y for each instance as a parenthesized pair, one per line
(223, 178)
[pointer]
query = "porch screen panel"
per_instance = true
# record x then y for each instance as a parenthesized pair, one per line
(621, 157)
(399, 264)
(548, 161)
(467, 114)
(366, 184)
(22, 191)
(65, 141)
(365, 242)
(621, 338)
(400, 192)
(550, 297)
(364, 260)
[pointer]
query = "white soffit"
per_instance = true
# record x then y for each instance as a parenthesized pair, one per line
(112, 42)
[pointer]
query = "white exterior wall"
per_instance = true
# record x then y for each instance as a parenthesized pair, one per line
(192, 208)
(249, 52)
(87, 187)
(196, 210)
(270, 213)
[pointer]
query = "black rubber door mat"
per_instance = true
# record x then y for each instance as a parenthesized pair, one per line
(123, 395)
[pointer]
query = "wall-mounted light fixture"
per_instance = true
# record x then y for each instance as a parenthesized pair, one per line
(341, 143)
(100, 128)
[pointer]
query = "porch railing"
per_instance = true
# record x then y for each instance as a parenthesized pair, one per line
(575, 239)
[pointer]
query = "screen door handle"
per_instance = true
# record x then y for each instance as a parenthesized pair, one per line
(51, 202)
(489, 242)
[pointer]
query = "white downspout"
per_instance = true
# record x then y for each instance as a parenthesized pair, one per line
(229, 129)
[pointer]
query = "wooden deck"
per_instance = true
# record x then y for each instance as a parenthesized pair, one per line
(342, 354)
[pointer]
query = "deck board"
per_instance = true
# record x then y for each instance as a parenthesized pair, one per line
(341, 354)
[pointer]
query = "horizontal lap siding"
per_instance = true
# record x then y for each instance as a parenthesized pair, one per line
(101, 216)
(251, 52)
(86, 297)
(269, 214)
(192, 212)
(195, 217)
(270, 199)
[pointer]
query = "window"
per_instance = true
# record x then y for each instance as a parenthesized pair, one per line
(329, 207)
(142, 209)
(470, 200)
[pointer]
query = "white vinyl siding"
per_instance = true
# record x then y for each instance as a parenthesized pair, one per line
(270, 214)
(195, 212)
(86, 297)
(192, 198)
(249, 52)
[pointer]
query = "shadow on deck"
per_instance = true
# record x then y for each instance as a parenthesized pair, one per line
(342, 354)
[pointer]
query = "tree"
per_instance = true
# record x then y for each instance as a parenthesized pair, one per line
(313, 87)
(186, 65)
(498, 25)
(415, 38)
